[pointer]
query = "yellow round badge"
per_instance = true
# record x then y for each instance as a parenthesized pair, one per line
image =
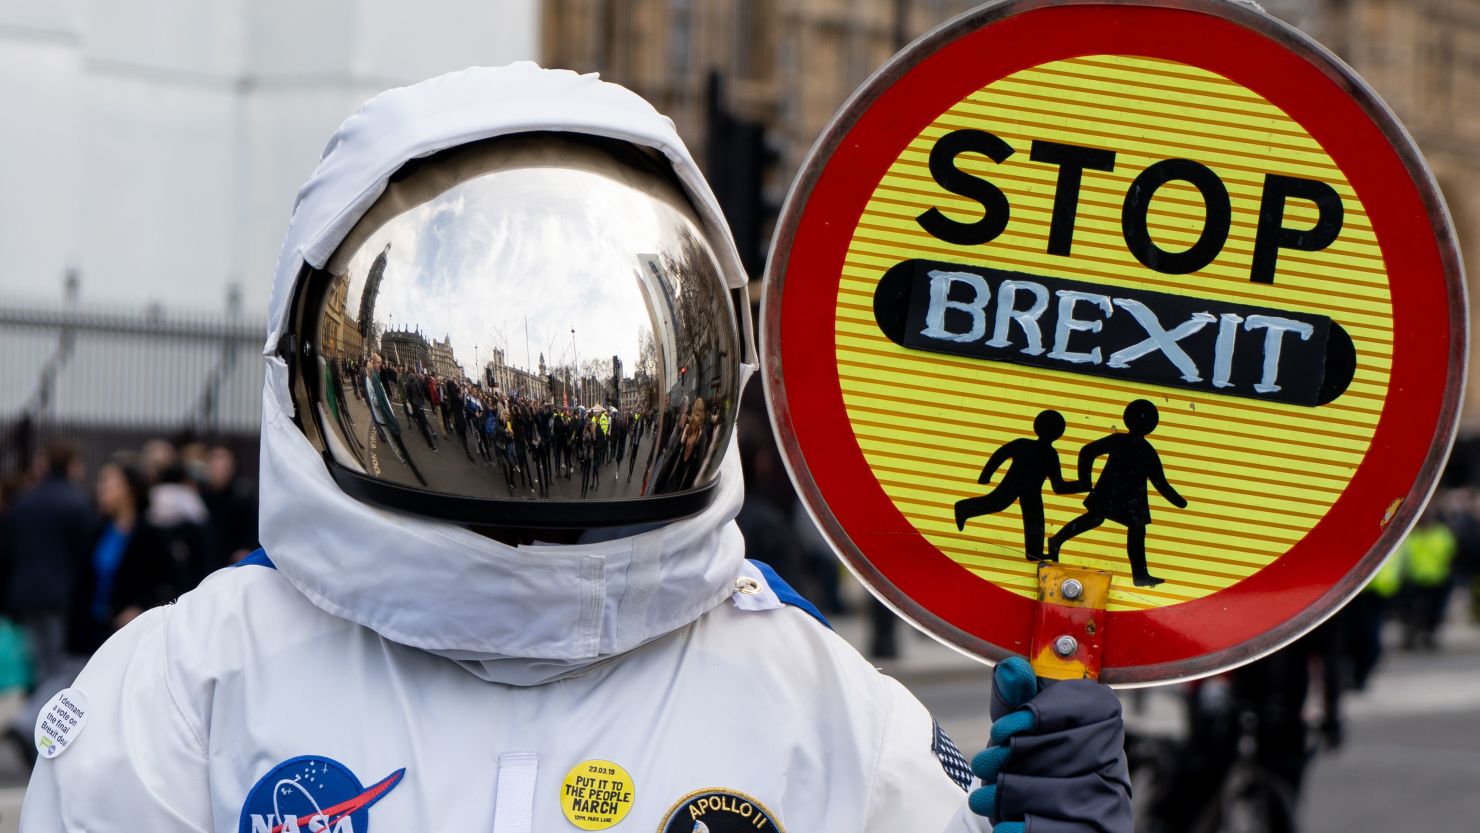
(596, 794)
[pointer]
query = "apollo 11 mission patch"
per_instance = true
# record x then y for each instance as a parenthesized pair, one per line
(718, 810)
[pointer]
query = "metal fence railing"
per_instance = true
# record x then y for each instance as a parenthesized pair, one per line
(112, 378)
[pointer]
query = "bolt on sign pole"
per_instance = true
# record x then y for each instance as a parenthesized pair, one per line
(1129, 336)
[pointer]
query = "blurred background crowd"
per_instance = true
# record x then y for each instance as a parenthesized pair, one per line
(84, 551)
(149, 160)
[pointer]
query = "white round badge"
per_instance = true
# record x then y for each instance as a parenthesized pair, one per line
(60, 722)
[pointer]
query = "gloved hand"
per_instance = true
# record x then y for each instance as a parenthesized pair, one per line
(1056, 760)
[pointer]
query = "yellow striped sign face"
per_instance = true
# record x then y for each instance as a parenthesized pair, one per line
(1256, 475)
(1150, 287)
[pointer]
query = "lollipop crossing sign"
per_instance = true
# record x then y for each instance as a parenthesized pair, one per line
(1156, 291)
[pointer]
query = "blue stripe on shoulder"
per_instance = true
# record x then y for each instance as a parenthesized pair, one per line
(787, 594)
(258, 558)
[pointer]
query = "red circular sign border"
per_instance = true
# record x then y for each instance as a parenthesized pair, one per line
(1297, 591)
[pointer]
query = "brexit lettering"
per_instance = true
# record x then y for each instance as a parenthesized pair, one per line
(1139, 335)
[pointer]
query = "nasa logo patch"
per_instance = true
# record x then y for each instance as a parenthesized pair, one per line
(716, 810)
(313, 794)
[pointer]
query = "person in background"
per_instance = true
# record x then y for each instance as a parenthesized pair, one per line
(635, 428)
(565, 438)
(539, 448)
(176, 510)
(193, 460)
(43, 541)
(231, 501)
(586, 453)
(434, 401)
(1428, 560)
(383, 413)
(155, 456)
(618, 440)
(518, 450)
(125, 569)
(1262, 710)
(603, 429)
(1367, 612)
(764, 518)
(130, 567)
(388, 375)
(354, 371)
(454, 401)
(1462, 515)
(11, 488)
(496, 434)
(416, 402)
(694, 446)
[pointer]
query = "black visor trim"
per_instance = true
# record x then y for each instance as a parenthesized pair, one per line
(524, 514)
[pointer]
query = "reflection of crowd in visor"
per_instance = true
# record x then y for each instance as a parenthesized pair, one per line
(529, 445)
(380, 378)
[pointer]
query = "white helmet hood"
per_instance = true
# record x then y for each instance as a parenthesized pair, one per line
(521, 615)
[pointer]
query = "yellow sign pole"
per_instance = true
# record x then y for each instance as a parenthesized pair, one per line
(1069, 631)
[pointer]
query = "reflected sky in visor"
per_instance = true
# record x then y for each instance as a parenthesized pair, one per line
(553, 248)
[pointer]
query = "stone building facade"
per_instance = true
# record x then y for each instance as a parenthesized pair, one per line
(1423, 58)
(513, 380)
(441, 360)
(341, 331)
(788, 64)
(406, 348)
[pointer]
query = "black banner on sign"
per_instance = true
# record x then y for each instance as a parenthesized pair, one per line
(1156, 337)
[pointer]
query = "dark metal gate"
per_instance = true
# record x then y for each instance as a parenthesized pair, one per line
(108, 379)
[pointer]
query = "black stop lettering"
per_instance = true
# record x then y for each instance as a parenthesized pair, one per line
(1072, 160)
(1274, 235)
(1215, 225)
(951, 178)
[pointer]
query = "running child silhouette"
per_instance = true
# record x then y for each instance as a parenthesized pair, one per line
(1120, 493)
(1033, 461)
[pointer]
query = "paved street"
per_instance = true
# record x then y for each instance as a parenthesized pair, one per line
(1411, 760)
(457, 466)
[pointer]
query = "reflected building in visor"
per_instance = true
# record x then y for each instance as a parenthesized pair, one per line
(342, 337)
(517, 380)
(406, 349)
(442, 360)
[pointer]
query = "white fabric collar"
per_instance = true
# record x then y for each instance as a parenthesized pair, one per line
(522, 615)
(451, 591)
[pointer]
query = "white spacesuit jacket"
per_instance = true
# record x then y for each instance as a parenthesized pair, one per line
(374, 670)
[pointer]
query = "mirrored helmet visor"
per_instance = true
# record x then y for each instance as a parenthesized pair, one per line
(528, 331)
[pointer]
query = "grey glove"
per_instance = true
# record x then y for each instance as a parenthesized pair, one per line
(1056, 760)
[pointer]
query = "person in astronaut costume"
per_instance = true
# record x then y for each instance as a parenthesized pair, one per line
(450, 657)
